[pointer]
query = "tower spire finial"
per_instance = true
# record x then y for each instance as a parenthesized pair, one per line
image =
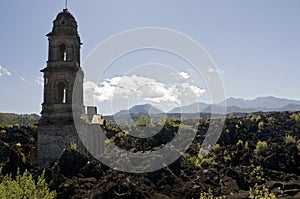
(66, 4)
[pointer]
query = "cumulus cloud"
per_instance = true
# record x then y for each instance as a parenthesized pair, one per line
(184, 75)
(144, 88)
(212, 70)
(4, 72)
(181, 75)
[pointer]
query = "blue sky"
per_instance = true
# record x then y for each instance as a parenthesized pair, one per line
(256, 43)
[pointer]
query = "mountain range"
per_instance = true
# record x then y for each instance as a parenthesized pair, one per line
(240, 105)
(234, 105)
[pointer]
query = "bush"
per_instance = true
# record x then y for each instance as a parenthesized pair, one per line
(289, 139)
(257, 175)
(227, 157)
(257, 193)
(246, 145)
(143, 121)
(24, 187)
(240, 145)
(198, 161)
(254, 118)
(207, 195)
(261, 148)
(295, 116)
(73, 146)
(261, 125)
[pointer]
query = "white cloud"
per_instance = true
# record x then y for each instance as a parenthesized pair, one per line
(4, 72)
(212, 70)
(181, 75)
(39, 80)
(144, 88)
(184, 75)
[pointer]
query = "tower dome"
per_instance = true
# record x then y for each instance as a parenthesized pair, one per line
(65, 14)
(64, 23)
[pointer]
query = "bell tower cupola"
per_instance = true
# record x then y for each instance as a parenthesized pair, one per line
(64, 41)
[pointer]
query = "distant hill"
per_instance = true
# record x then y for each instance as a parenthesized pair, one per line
(145, 109)
(229, 109)
(239, 105)
(268, 102)
(193, 108)
(290, 107)
(23, 119)
(233, 105)
(125, 116)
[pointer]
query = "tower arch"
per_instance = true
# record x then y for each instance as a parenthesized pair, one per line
(61, 95)
(62, 52)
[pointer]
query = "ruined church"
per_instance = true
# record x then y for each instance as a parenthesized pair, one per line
(63, 93)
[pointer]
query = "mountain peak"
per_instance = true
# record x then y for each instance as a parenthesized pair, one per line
(146, 109)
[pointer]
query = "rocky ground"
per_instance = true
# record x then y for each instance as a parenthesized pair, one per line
(254, 151)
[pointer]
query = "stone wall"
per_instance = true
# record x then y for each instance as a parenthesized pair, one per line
(53, 139)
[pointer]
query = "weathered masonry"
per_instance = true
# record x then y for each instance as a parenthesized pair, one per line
(56, 129)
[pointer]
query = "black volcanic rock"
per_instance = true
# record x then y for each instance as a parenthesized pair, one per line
(71, 162)
(231, 169)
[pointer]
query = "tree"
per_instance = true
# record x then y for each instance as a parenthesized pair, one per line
(143, 121)
(25, 187)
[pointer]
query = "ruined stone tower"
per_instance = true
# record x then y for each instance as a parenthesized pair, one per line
(56, 129)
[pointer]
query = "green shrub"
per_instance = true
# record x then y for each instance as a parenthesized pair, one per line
(261, 148)
(121, 134)
(295, 116)
(227, 157)
(31, 140)
(257, 175)
(143, 121)
(209, 195)
(271, 120)
(24, 187)
(240, 143)
(197, 161)
(217, 149)
(261, 125)
(289, 139)
(73, 146)
(206, 195)
(172, 122)
(246, 145)
(254, 118)
(258, 193)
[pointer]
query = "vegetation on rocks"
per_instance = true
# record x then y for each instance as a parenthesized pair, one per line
(256, 156)
(25, 187)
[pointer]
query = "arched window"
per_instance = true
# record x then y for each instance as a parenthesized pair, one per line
(62, 93)
(62, 52)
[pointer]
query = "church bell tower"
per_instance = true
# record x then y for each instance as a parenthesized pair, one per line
(56, 129)
(62, 67)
